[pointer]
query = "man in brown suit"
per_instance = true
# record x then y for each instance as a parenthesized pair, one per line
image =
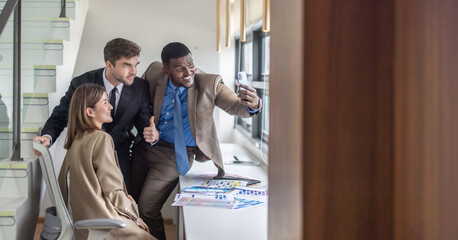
(177, 88)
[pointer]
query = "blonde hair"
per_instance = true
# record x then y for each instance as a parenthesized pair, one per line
(85, 96)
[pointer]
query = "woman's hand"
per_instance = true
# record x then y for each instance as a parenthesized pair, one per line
(142, 225)
(131, 198)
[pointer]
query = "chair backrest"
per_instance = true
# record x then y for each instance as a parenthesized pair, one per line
(49, 175)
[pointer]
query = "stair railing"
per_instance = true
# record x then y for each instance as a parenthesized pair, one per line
(10, 7)
(63, 8)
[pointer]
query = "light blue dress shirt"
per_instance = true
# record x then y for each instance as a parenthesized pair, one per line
(165, 125)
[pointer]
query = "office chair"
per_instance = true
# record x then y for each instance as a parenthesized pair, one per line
(58, 222)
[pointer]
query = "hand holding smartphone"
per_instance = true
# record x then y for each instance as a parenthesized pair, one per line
(242, 79)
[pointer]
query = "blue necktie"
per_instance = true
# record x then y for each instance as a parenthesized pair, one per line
(181, 154)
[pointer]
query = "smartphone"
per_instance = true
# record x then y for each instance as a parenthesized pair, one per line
(242, 79)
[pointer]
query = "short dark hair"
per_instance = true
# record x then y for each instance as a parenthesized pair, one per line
(172, 51)
(119, 48)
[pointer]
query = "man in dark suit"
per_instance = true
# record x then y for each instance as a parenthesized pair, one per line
(127, 93)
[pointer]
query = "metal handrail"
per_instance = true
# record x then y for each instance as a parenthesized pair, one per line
(63, 8)
(6, 13)
(10, 6)
(17, 84)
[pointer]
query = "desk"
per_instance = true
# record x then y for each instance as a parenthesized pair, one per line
(201, 223)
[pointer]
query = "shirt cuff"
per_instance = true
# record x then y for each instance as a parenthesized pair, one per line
(154, 143)
(251, 111)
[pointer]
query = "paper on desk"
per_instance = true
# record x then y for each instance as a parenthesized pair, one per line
(228, 196)
(248, 203)
(202, 202)
(186, 199)
(237, 198)
(227, 176)
(214, 183)
(259, 193)
(204, 190)
(241, 192)
(221, 193)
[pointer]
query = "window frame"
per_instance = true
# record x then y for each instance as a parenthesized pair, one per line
(258, 80)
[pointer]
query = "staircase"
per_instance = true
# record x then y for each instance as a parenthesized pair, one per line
(49, 48)
(20, 185)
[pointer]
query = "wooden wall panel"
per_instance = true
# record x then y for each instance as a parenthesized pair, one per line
(364, 136)
(426, 139)
(285, 138)
(348, 119)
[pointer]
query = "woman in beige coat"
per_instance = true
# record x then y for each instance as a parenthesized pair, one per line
(95, 181)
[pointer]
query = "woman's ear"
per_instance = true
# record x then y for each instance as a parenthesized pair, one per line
(90, 112)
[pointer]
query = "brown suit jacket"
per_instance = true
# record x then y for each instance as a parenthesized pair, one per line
(97, 187)
(207, 92)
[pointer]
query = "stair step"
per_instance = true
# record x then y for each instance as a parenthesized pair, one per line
(44, 8)
(8, 206)
(35, 112)
(41, 28)
(47, 9)
(14, 180)
(27, 135)
(6, 142)
(45, 52)
(18, 222)
(35, 78)
(18, 214)
(8, 216)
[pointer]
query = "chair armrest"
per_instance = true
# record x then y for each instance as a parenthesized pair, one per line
(99, 223)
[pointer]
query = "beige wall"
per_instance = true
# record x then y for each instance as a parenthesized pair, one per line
(151, 24)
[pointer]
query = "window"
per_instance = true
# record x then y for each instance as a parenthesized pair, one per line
(253, 57)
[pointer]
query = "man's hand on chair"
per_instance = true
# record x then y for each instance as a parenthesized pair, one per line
(45, 141)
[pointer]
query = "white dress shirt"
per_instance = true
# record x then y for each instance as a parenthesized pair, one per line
(109, 87)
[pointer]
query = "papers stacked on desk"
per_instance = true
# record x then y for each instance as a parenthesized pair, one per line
(226, 194)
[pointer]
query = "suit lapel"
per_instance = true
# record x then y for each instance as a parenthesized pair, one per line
(99, 78)
(99, 81)
(159, 98)
(192, 104)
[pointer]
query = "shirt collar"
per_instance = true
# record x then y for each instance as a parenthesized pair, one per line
(108, 85)
(173, 87)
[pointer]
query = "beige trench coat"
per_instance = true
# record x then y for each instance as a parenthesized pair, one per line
(97, 187)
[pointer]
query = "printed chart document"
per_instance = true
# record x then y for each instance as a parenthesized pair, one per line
(222, 184)
(220, 193)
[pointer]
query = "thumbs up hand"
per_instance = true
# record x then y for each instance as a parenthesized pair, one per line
(150, 133)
